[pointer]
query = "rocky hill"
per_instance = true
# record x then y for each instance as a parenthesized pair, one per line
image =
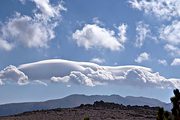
(97, 111)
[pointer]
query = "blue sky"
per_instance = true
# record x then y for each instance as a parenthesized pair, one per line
(108, 33)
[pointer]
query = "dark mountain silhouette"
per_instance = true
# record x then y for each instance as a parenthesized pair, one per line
(76, 100)
(100, 110)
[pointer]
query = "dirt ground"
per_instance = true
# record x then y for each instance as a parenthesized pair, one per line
(92, 113)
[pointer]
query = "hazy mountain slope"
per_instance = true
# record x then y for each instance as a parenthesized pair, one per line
(76, 100)
(98, 111)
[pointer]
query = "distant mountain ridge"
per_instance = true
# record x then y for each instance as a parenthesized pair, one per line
(76, 100)
(100, 110)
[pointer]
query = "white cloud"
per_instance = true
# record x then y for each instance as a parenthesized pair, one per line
(23, 1)
(28, 31)
(4, 45)
(97, 21)
(90, 74)
(122, 33)
(142, 57)
(173, 50)
(39, 82)
(60, 79)
(176, 82)
(139, 77)
(1, 83)
(170, 33)
(176, 62)
(12, 74)
(81, 78)
(45, 7)
(74, 77)
(94, 36)
(84, 73)
(162, 9)
(142, 31)
(31, 31)
(162, 62)
(169, 11)
(98, 60)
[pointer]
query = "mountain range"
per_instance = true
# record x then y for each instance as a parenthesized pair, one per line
(76, 100)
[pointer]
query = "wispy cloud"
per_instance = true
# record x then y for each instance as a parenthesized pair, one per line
(176, 62)
(162, 62)
(170, 33)
(5, 45)
(162, 9)
(98, 60)
(142, 57)
(173, 50)
(142, 33)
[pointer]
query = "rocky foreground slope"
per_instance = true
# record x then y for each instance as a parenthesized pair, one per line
(98, 111)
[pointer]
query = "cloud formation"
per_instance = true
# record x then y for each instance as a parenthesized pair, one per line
(170, 34)
(142, 31)
(162, 9)
(31, 31)
(92, 35)
(173, 50)
(167, 12)
(75, 77)
(142, 57)
(85, 73)
(12, 74)
(4, 45)
(176, 62)
(122, 33)
(98, 60)
(27, 31)
(47, 9)
(162, 62)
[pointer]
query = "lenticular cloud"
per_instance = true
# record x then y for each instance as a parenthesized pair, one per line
(84, 73)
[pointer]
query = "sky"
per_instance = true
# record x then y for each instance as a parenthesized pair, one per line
(53, 48)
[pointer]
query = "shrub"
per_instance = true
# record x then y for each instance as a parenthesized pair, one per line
(175, 115)
(86, 118)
